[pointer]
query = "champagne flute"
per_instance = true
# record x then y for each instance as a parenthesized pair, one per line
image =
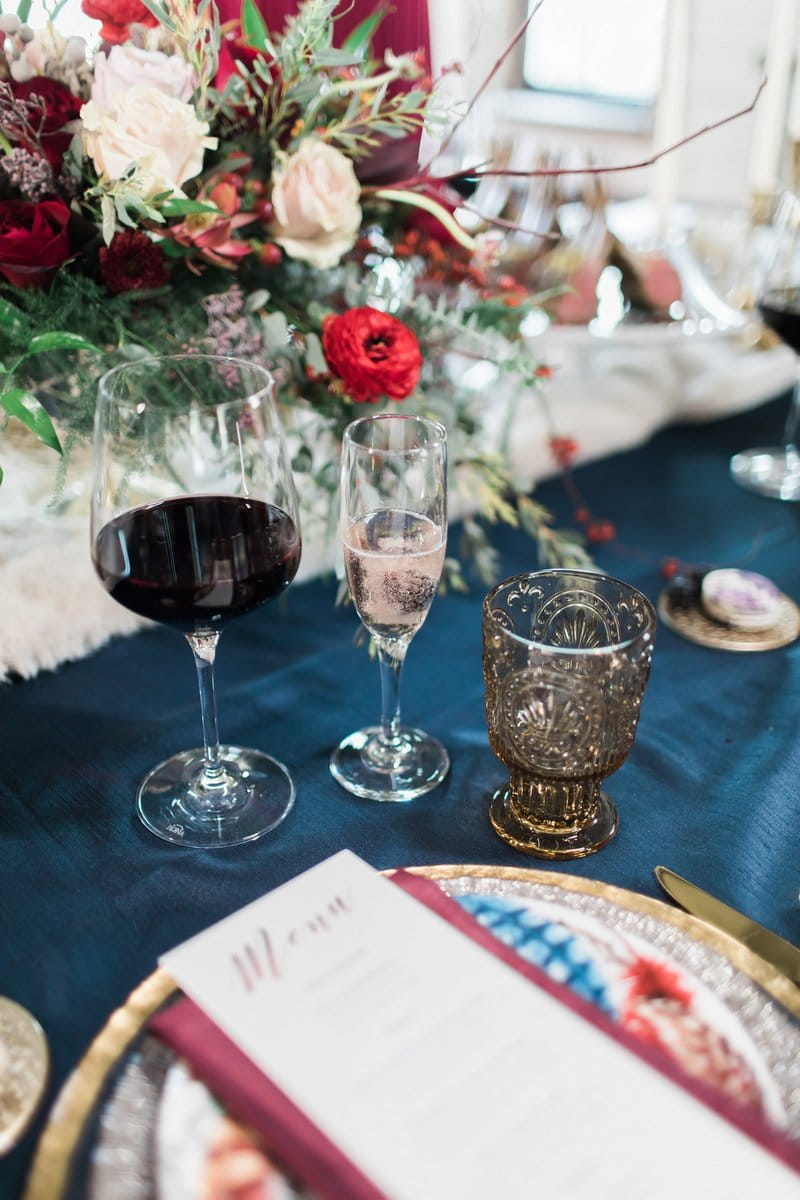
(394, 530)
(194, 522)
(775, 470)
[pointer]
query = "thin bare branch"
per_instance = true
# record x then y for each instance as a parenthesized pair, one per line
(502, 223)
(545, 172)
(517, 37)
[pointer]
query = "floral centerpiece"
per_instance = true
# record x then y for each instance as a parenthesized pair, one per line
(187, 185)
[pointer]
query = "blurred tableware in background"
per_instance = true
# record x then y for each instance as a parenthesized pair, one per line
(775, 470)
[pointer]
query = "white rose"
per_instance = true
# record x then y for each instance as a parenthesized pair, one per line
(125, 67)
(158, 134)
(315, 197)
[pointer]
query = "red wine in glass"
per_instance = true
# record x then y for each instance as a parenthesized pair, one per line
(775, 470)
(780, 312)
(195, 562)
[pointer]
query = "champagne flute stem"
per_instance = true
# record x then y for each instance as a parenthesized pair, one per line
(204, 650)
(391, 666)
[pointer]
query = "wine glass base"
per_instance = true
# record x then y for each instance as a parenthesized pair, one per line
(769, 471)
(552, 843)
(172, 806)
(420, 766)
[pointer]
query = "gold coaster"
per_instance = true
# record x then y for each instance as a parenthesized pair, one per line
(692, 622)
(24, 1063)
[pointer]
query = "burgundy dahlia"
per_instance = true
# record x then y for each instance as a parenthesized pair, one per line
(131, 263)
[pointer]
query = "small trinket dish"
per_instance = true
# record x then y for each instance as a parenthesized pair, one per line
(730, 609)
(741, 599)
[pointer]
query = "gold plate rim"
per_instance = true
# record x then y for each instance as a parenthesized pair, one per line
(75, 1102)
(693, 624)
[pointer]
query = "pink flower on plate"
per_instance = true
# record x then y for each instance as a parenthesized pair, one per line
(660, 1010)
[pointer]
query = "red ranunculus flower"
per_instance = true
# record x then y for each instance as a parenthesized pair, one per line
(373, 353)
(117, 15)
(33, 241)
(132, 262)
(60, 106)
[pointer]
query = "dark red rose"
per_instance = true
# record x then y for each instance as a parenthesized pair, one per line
(373, 354)
(60, 106)
(117, 15)
(33, 241)
(132, 262)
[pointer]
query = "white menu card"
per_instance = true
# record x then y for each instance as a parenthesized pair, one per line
(440, 1071)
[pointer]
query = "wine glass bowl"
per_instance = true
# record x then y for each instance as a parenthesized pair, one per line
(194, 523)
(775, 470)
(393, 505)
(566, 656)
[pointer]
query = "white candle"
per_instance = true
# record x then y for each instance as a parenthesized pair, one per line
(793, 125)
(668, 124)
(769, 126)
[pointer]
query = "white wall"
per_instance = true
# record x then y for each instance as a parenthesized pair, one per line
(727, 45)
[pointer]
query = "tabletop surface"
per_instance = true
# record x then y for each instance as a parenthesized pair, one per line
(90, 899)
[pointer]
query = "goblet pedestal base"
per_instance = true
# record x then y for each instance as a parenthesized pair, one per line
(769, 470)
(375, 767)
(549, 839)
(177, 802)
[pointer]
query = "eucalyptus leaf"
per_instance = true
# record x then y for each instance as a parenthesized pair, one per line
(314, 355)
(276, 331)
(27, 409)
(122, 214)
(109, 215)
(337, 58)
(256, 300)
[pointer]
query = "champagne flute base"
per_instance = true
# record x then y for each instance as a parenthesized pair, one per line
(255, 795)
(769, 470)
(414, 763)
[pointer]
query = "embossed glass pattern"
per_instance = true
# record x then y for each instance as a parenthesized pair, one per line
(566, 656)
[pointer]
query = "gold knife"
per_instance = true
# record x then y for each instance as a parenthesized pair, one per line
(776, 950)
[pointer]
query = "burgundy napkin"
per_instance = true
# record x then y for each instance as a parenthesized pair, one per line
(311, 1157)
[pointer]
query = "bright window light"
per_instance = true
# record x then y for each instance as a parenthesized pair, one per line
(609, 50)
(70, 19)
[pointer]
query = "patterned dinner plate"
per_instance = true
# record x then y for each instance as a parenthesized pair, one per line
(133, 1124)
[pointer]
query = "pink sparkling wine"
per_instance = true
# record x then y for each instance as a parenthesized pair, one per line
(393, 561)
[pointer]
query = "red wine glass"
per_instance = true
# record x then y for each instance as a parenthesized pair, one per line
(775, 470)
(194, 522)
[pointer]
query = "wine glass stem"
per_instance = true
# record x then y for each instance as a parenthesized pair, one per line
(204, 649)
(391, 665)
(790, 432)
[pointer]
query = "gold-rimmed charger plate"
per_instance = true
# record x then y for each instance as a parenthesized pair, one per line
(724, 962)
(693, 623)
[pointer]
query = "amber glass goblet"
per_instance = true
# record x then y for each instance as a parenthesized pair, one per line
(566, 656)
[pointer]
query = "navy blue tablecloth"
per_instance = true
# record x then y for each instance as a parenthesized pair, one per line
(90, 899)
